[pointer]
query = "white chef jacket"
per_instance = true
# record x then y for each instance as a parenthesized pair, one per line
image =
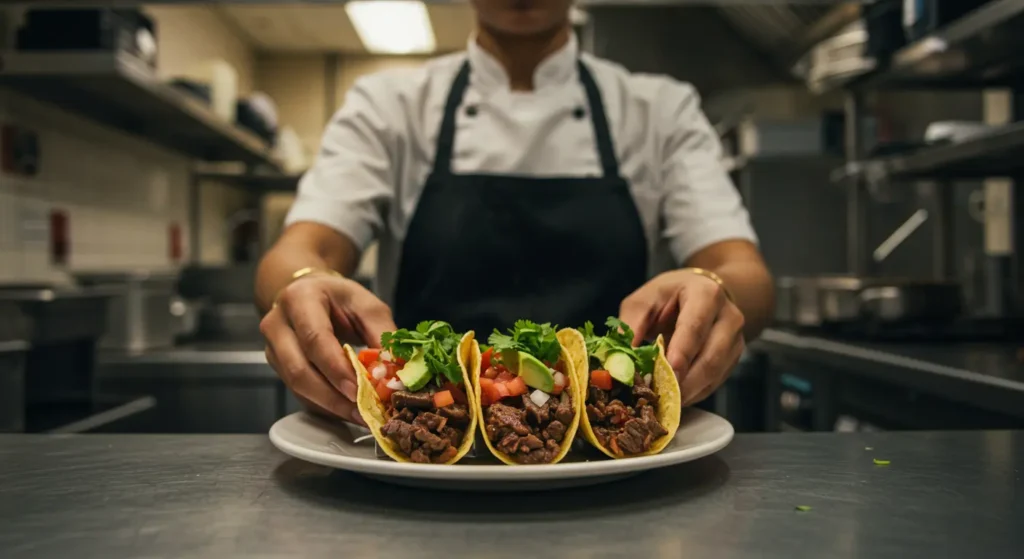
(379, 148)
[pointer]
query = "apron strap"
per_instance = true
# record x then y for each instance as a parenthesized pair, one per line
(602, 135)
(446, 137)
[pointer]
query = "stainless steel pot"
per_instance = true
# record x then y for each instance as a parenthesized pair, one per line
(140, 312)
(816, 301)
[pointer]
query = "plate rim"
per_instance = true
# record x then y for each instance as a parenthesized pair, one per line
(497, 472)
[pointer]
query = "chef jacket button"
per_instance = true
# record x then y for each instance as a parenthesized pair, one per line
(578, 113)
(471, 110)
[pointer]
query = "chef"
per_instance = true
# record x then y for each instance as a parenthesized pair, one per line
(518, 179)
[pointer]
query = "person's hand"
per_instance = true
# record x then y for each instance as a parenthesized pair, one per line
(703, 327)
(304, 331)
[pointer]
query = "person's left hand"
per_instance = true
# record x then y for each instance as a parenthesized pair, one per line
(703, 327)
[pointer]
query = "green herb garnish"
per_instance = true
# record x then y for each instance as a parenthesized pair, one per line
(437, 340)
(619, 337)
(538, 340)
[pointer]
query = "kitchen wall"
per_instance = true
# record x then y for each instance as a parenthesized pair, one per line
(121, 194)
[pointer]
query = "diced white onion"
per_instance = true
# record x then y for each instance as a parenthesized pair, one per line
(385, 355)
(395, 384)
(379, 372)
(647, 379)
(539, 397)
(559, 379)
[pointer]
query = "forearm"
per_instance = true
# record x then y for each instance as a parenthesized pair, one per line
(752, 289)
(302, 246)
(741, 267)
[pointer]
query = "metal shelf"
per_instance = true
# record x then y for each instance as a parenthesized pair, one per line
(994, 154)
(260, 181)
(981, 49)
(121, 91)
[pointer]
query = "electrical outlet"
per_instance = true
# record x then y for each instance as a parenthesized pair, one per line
(20, 154)
(60, 237)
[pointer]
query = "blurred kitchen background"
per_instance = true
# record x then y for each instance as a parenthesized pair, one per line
(151, 151)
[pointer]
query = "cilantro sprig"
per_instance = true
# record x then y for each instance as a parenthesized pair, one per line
(619, 337)
(538, 340)
(439, 343)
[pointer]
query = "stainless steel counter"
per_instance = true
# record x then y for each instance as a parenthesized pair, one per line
(199, 388)
(943, 495)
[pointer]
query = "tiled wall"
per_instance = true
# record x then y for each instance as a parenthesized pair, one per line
(121, 194)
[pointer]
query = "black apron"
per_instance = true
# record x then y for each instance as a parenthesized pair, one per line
(482, 250)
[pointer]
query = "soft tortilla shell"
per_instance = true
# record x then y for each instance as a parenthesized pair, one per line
(372, 409)
(665, 386)
(570, 432)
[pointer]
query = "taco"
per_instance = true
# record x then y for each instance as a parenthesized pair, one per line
(529, 403)
(414, 393)
(631, 395)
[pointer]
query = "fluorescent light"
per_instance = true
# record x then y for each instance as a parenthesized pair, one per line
(392, 26)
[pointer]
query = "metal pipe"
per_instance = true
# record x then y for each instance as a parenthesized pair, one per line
(941, 193)
(901, 234)
(194, 217)
(856, 196)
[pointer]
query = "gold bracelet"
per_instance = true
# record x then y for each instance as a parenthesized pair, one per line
(312, 270)
(713, 277)
(303, 272)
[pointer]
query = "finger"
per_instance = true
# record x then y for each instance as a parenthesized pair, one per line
(285, 353)
(371, 317)
(715, 361)
(311, 320)
(641, 310)
(698, 310)
(719, 381)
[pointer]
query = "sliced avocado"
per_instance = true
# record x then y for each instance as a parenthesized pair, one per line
(535, 373)
(415, 375)
(510, 358)
(601, 352)
(621, 367)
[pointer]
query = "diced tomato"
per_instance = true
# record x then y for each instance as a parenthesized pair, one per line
(490, 372)
(399, 361)
(502, 389)
(457, 393)
(601, 379)
(383, 391)
(557, 389)
(560, 367)
(443, 398)
(488, 392)
(392, 368)
(368, 355)
(517, 387)
(505, 376)
(485, 359)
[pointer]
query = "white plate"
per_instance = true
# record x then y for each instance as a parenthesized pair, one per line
(333, 444)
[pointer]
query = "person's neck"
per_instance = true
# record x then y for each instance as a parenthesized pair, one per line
(520, 55)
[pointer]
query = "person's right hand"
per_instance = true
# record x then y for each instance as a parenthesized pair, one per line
(304, 331)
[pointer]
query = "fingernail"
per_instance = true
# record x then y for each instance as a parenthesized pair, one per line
(349, 390)
(357, 418)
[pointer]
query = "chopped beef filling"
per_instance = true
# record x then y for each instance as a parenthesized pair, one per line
(424, 433)
(528, 433)
(625, 419)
